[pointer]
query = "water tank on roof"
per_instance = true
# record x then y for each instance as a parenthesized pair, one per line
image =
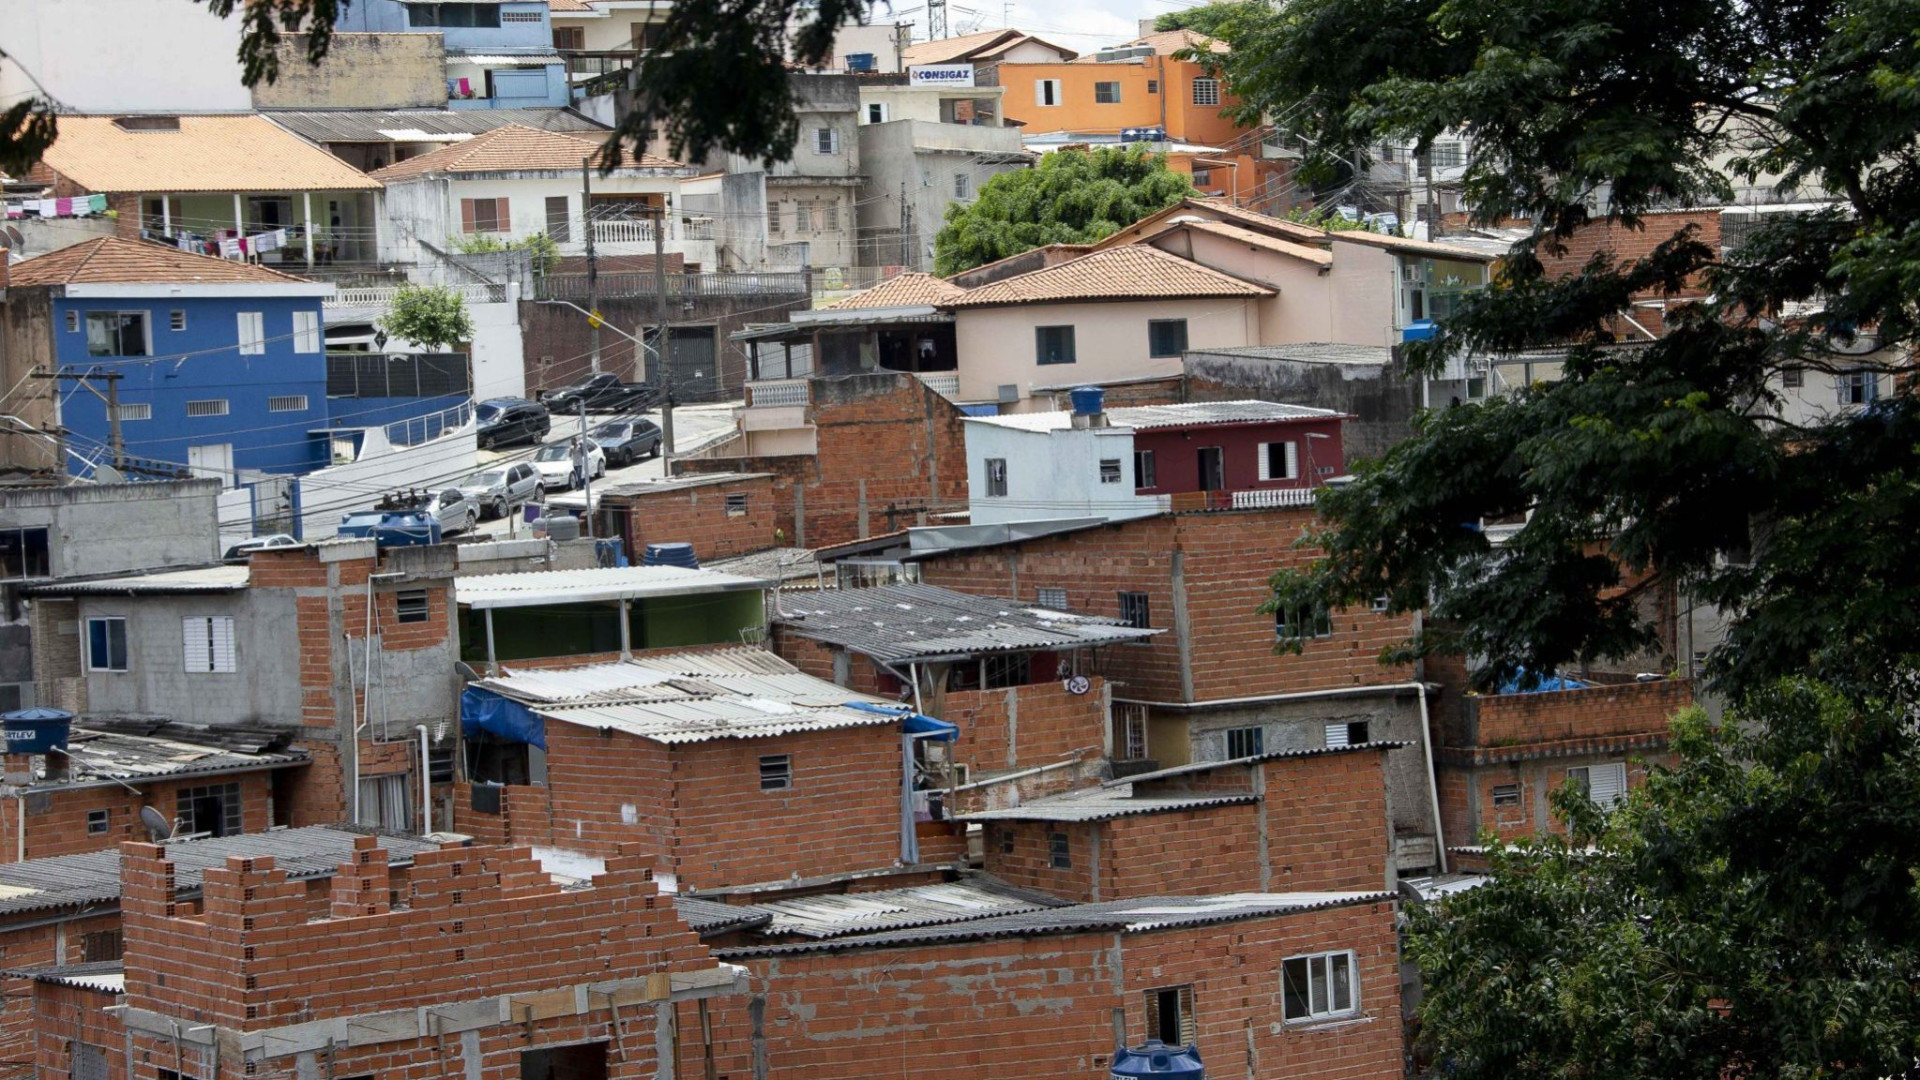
(1419, 330)
(1088, 400)
(860, 61)
(36, 731)
(670, 555)
(1157, 1059)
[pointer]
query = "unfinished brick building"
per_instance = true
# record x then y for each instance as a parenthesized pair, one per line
(721, 515)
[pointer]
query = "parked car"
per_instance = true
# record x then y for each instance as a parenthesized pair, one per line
(627, 441)
(601, 393)
(240, 551)
(558, 469)
(511, 421)
(498, 491)
(392, 528)
(455, 510)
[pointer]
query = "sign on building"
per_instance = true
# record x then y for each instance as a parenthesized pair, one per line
(940, 75)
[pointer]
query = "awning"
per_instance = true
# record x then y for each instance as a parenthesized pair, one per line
(483, 711)
(911, 723)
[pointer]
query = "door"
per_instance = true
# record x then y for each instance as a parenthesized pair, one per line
(695, 364)
(1212, 471)
(212, 460)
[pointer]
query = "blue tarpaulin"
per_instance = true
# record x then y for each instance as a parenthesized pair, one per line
(1546, 684)
(911, 723)
(503, 718)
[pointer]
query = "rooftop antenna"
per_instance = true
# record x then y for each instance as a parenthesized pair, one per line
(936, 19)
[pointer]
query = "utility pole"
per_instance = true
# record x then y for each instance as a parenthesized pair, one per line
(904, 217)
(585, 465)
(593, 266)
(115, 443)
(661, 347)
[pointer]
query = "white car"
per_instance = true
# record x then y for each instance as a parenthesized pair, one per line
(559, 472)
(240, 551)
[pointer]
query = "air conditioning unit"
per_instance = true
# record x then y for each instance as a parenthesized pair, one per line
(1009, 393)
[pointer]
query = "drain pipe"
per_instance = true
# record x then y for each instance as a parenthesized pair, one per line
(366, 692)
(426, 775)
(1433, 783)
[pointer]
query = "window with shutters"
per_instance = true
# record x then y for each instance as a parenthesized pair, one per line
(1153, 86)
(1106, 93)
(1347, 733)
(1280, 461)
(1506, 794)
(1206, 91)
(1143, 469)
(773, 218)
(1299, 622)
(1109, 470)
(1318, 987)
(736, 505)
(1135, 611)
(207, 642)
(410, 606)
(176, 320)
(253, 333)
(1170, 1015)
(1166, 337)
(141, 411)
(1246, 742)
(559, 219)
(1605, 785)
(826, 140)
(776, 772)
(287, 403)
(1857, 387)
(484, 216)
(306, 332)
(1059, 851)
(1046, 92)
(107, 644)
(207, 407)
(570, 37)
(1051, 598)
(997, 478)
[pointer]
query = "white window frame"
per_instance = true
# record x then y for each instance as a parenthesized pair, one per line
(1290, 459)
(1605, 784)
(126, 649)
(962, 185)
(204, 408)
(1046, 93)
(306, 332)
(252, 332)
(207, 645)
(1319, 969)
(826, 141)
(135, 410)
(177, 319)
(1206, 91)
(877, 112)
(1110, 470)
(996, 474)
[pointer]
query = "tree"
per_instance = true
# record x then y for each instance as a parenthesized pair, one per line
(540, 248)
(1070, 197)
(431, 316)
(1214, 20)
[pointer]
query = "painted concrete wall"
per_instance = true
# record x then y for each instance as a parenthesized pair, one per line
(360, 71)
(1052, 474)
(102, 56)
(92, 528)
(922, 159)
(1379, 398)
(923, 102)
(997, 345)
(428, 209)
(1171, 105)
(264, 687)
(1177, 462)
(1366, 283)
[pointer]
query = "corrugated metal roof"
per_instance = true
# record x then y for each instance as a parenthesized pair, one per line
(222, 578)
(604, 583)
(96, 755)
(1311, 353)
(1129, 916)
(1148, 417)
(914, 622)
(1106, 803)
(94, 877)
(380, 125)
(710, 917)
(840, 914)
(108, 976)
(704, 719)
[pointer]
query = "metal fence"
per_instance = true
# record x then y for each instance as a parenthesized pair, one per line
(376, 375)
(642, 283)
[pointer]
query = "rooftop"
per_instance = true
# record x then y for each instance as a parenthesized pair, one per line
(911, 289)
(1255, 759)
(145, 750)
(216, 153)
(107, 976)
(517, 148)
(585, 586)
(982, 45)
(1312, 353)
(1106, 803)
(839, 914)
(1281, 245)
(1168, 42)
(423, 125)
(1149, 417)
(1122, 273)
(1216, 209)
(203, 579)
(94, 878)
(780, 564)
(924, 622)
(1406, 246)
(118, 261)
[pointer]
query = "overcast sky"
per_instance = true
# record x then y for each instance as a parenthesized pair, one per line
(1080, 25)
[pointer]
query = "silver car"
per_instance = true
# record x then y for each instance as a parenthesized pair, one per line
(455, 510)
(498, 490)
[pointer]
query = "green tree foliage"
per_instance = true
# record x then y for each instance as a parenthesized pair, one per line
(539, 246)
(1217, 20)
(1325, 218)
(430, 316)
(1070, 197)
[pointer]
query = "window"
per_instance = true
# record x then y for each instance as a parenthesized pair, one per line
(483, 16)
(833, 216)
(519, 16)
(1109, 470)
(737, 505)
(384, 802)
(73, 322)
(208, 407)
(253, 333)
(1006, 842)
(207, 643)
(1143, 469)
(24, 554)
(1051, 598)
(117, 333)
(141, 411)
(1246, 742)
(213, 809)
(962, 186)
(1793, 378)
(826, 141)
(100, 946)
(1046, 92)
(1170, 1015)
(1059, 854)
(1206, 91)
(570, 37)
(287, 403)
(1604, 784)
(1280, 461)
(1211, 466)
(1299, 623)
(1347, 733)
(1106, 93)
(1000, 672)
(177, 320)
(1445, 155)
(876, 112)
(996, 478)
(1319, 986)
(1134, 610)
(485, 215)
(773, 218)
(107, 644)
(1202, 177)
(1053, 344)
(1166, 337)
(1153, 86)
(776, 772)
(1506, 794)
(97, 822)
(410, 606)
(1857, 387)
(306, 332)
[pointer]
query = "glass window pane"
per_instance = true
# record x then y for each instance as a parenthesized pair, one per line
(1317, 985)
(1293, 987)
(1342, 966)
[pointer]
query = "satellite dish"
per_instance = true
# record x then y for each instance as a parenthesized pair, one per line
(158, 827)
(107, 474)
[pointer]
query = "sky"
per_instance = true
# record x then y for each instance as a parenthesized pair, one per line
(1080, 25)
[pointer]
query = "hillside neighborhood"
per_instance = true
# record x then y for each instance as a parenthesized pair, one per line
(491, 598)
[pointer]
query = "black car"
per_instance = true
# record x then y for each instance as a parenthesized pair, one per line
(601, 393)
(627, 441)
(511, 421)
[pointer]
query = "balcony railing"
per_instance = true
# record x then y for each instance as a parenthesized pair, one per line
(383, 295)
(425, 429)
(1251, 499)
(641, 283)
(772, 392)
(624, 231)
(944, 383)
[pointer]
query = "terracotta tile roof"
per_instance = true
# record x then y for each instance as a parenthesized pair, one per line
(516, 148)
(1168, 42)
(1124, 273)
(113, 260)
(204, 153)
(984, 45)
(1319, 256)
(563, 6)
(902, 290)
(1409, 246)
(1219, 209)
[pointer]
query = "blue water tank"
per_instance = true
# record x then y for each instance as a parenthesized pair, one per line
(670, 555)
(1419, 330)
(1155, 1058)
(860, 61)
(1088, 400)
(36, 731)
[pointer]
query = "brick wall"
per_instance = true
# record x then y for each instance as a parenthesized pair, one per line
(1327, 822)
(1507, 720)
(61, 828)
(62, 1016)
(699, 516)
(1020, 727)
(44, 945)
(1018, 852)
(57, 679)
(1187, 853)
(1471, 812)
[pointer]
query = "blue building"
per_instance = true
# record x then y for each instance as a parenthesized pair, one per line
(499, 55)
(216, 367)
